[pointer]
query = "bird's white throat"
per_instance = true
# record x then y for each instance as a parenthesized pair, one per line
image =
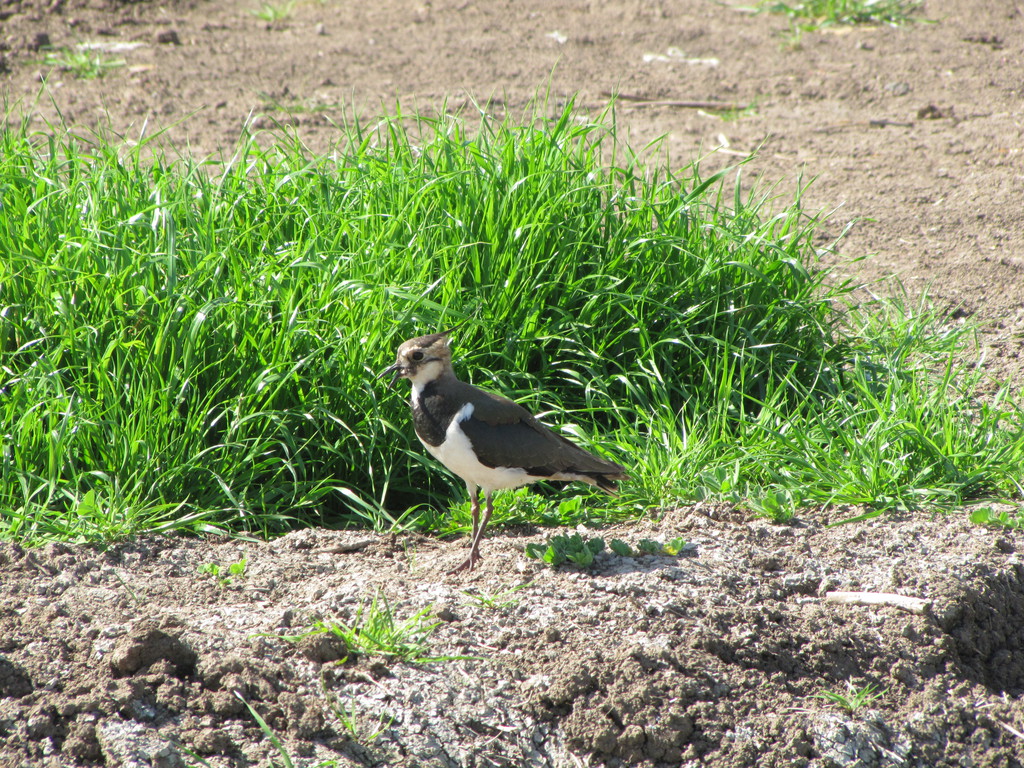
(424, 376)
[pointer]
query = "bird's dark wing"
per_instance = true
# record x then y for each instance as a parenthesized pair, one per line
(504, 434)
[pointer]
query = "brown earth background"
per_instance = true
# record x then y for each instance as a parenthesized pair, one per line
(127, 656)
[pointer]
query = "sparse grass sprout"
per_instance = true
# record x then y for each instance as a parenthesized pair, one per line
(375, 631)
(853, 699)
(83, 64)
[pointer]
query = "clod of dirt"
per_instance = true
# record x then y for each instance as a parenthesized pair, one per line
(323, 647)
(147, 645)
(14, 681)
(167, 37)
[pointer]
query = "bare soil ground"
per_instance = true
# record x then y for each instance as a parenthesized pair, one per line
(129, 656)
(713, 657)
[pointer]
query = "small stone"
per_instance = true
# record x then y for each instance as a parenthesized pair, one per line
(167, 37)
(320, 29)
(934, 112)
(210, 741)
(445, 613)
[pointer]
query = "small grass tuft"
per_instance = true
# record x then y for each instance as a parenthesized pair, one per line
(274, 13)
(811, 14)
(286, 758)
(353, 720)
(222, 574)
(853, 699)
(738, 113)
(376, 632)
(562, 549)
(82, 64)
(498, 600)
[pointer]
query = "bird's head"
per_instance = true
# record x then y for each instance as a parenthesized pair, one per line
(422, 359)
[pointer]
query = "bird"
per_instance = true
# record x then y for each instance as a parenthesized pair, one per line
(487, 440)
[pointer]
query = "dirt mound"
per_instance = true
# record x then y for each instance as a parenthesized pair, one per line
(717, 656)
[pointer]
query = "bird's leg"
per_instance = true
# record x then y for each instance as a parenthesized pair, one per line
(474, 508)
(478, 531)
(474, 548)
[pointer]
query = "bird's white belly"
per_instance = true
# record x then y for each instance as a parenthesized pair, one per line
(456, 453)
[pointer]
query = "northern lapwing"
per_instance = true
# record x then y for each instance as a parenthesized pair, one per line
(486, 439)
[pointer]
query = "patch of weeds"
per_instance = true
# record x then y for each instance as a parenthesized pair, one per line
(498, 600)
(812, 14)
(560, 549)
(778, 505)
(274, 13)
(647, 547)
(527, 506)
(854, 699)
(720, 482)
(735, 115)
(532, 505)
(988, 516)
(352, 720)
(82, 64)
(579, 551)
(223, 574)
(376, 632)
(410, 554)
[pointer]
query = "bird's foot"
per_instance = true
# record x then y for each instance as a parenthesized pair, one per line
(468, 564)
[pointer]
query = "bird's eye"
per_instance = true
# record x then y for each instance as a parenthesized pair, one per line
(417, 355)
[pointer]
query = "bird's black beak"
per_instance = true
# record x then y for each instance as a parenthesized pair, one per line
(395, 371)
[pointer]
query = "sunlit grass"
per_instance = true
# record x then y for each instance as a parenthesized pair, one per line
(375, 631)
(829, 12)
(274, 13)
(82, 63)
(189, 345)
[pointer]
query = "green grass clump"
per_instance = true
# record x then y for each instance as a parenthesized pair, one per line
(224, 574)
(573, 549)
(853, 699)
(819, 13)
(189, 345)
(375, 631)
(274, 13)
(82, 63)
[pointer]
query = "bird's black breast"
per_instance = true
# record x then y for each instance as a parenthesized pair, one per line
(432, 413)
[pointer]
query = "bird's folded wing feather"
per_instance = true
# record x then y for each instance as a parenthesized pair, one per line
(527, 443)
